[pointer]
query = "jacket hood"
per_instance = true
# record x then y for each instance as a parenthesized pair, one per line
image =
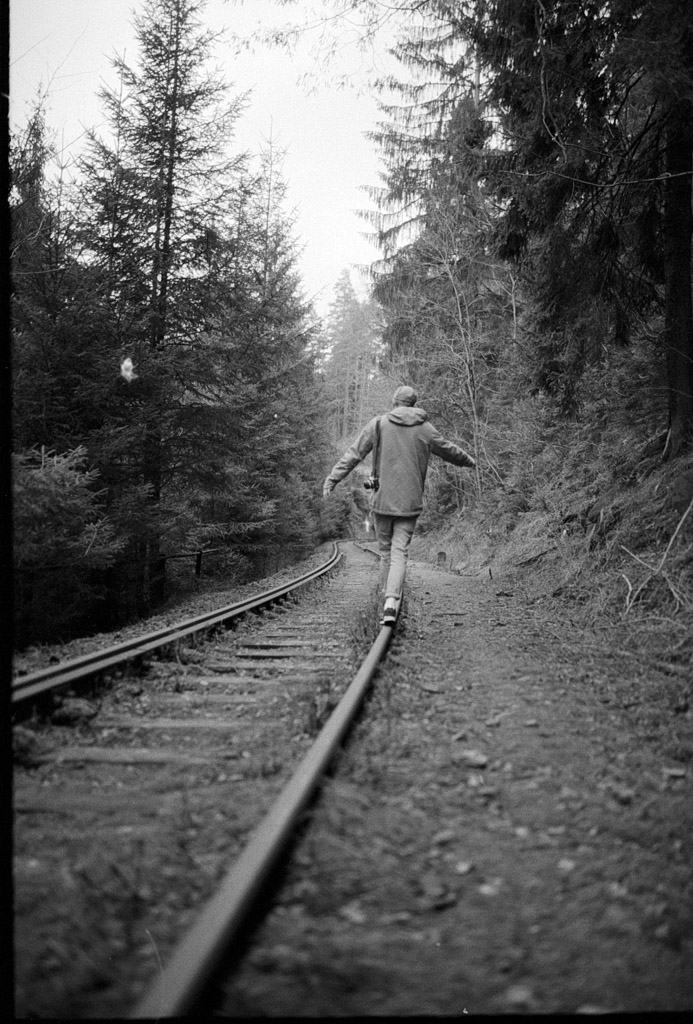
(407, 416)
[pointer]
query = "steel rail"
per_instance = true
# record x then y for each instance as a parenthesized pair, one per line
(197, 957)
(55, 677)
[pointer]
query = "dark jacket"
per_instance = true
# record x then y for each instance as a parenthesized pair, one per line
(406, 442)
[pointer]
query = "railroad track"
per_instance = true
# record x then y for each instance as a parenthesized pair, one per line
(50, 680)
(215, 752)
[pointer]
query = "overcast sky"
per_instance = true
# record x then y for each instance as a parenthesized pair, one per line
(63, 46)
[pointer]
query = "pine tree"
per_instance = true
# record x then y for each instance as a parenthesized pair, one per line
(156, 191)
(270, 328)
(181, 258)
(597, 165)
(588, 156)
(52, 297)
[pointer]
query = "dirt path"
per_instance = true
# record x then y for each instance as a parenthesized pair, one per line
(512, 831)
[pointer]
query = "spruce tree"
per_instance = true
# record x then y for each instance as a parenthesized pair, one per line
(156, 189)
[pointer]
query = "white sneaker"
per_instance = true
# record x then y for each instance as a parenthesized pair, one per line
(389, 615)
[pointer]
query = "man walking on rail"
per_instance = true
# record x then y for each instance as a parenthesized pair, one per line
(402, 441)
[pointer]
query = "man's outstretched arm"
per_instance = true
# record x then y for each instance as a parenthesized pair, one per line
(352, 456)
(450, 452)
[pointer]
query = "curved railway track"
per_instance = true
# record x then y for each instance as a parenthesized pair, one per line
(28, 688)
(296, 672)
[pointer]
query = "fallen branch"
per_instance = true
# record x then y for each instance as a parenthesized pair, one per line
(633, 595)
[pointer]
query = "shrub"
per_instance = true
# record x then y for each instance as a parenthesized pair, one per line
(61, 537)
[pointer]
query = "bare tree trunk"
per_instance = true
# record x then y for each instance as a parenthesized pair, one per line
(159, 298)
(678, 232)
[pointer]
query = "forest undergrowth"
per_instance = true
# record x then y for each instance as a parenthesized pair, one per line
(590, 511)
